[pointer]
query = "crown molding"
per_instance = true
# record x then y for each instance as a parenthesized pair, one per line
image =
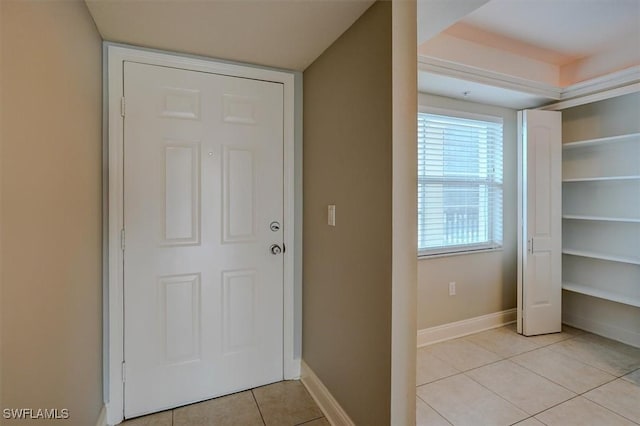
(599, 88)
(465, 72)
(594, 97)
(625, 77)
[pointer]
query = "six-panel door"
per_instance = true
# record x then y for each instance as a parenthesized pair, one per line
(203, 181)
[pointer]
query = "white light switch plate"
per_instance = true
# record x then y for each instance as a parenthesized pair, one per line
(331, 215)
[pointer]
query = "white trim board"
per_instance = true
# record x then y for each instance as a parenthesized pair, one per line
(595, 97)
(440, 333)
(113, 326)
(332, 410)
(598, 88)
(102, 418)
(438, 66)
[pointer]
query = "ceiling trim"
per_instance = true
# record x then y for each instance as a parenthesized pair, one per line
(625, 77)
(599, 88)
(457, 70)
(594, 97)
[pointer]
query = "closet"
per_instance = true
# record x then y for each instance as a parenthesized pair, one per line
(601, 217)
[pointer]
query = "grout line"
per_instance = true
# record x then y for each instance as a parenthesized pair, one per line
(258, 405)
(609, 409)
(561, 385)
(547, 346)
(438, 412)
(575, 395)
(499, 396)
(309, 421)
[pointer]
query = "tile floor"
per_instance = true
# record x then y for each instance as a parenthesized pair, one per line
(494, 378)
(498, 377)
(279, 404)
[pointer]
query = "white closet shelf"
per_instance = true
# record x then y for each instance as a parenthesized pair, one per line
(601, 294)
(600, 141)
(602, 256)
(601, 218)
(602, 178)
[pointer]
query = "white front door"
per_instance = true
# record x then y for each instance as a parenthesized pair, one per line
(203, 205)
(540, 219)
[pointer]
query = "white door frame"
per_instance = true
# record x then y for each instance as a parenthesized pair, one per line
(114, 56)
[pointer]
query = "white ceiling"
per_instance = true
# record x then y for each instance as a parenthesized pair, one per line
(287, 34)
(572, 28)
(435, 16)
(575, 40)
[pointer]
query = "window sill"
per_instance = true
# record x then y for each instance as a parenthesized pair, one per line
(458, 253)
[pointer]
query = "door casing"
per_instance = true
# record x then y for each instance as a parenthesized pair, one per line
(113, 222)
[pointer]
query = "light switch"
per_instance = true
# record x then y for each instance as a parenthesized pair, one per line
(331, 215)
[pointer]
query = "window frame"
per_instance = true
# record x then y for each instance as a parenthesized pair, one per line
(471, 248)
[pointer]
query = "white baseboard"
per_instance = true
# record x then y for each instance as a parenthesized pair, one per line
(332, 410)
(440, 333)
(608, 330)
(102, 418)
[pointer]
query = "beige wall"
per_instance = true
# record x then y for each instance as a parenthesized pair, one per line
(51, 209)
(600, 119)
(485, 282)
(347, 268)
(404, 263)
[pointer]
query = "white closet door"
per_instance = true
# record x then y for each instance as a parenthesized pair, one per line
(540, 222)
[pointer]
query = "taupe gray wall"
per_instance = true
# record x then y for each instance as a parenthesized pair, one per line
(485, 282)
(347, 268)
(610, 117)
(51, 209)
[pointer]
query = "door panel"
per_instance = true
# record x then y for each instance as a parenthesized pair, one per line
(203, 179)
(540, 275)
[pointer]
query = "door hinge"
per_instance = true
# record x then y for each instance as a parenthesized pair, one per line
(124, 372)
(122, 106)
(122, 239)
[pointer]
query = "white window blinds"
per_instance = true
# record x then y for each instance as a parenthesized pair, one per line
(459, 184)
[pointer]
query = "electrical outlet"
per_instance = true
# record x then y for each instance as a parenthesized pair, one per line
(452, 288)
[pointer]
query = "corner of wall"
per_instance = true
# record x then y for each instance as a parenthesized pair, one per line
(1, 200)
(404, 205)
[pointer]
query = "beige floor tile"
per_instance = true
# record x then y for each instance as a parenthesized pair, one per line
(159, 419)
(548, 339)
(431, 368)
(611, 359)
(620, 396)
(581, 412)
(464, 402)
(503, 341)
(286, 403)
(238, 409)
(563, 370)
(427, 416)
(322, 421)
(613, 345)
(463, 354)
(531, 421)
(521, 387)
(633, 377)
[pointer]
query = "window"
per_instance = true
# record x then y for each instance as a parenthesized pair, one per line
(459, 183)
